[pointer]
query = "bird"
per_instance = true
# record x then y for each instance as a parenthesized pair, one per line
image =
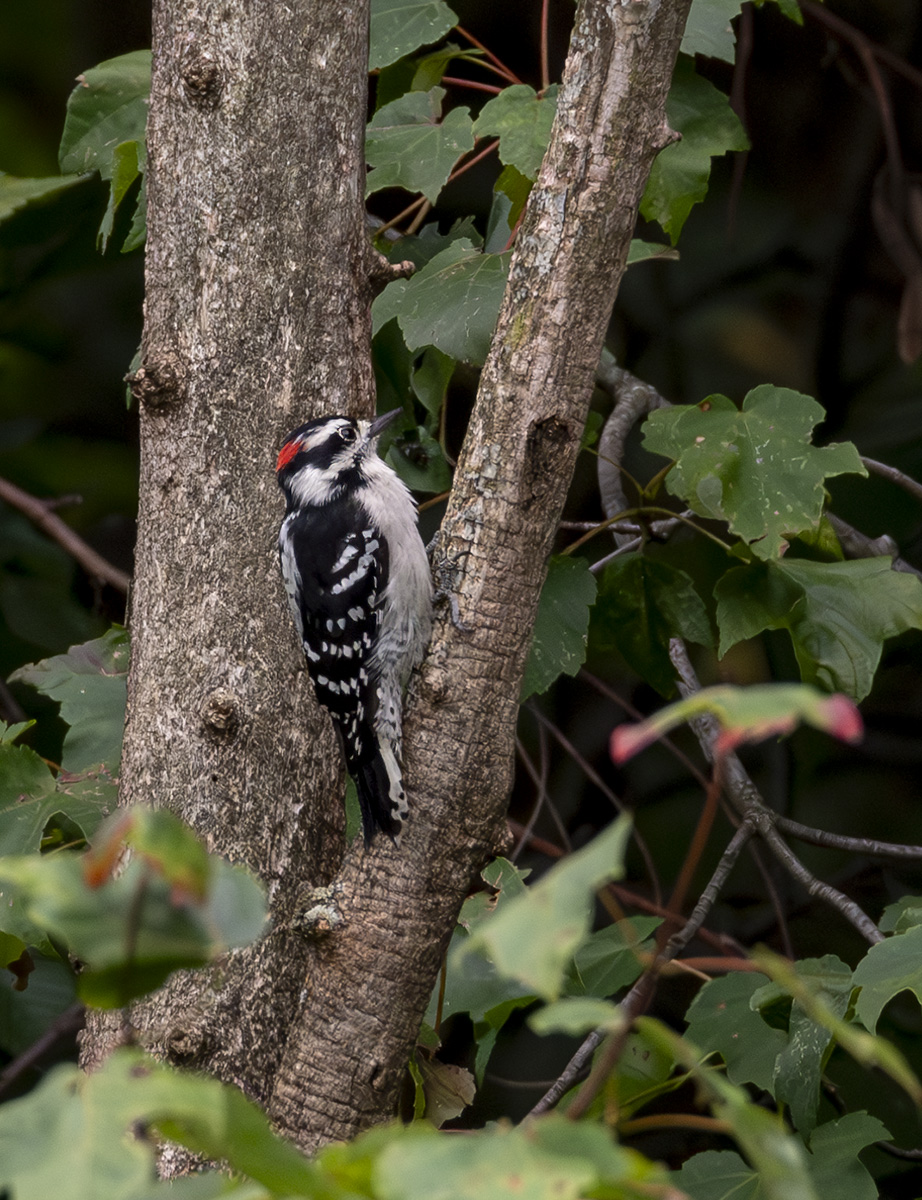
(359, 587)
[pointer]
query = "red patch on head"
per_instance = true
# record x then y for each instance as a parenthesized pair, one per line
(287, 453)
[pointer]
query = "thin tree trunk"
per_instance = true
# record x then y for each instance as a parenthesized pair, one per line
(256, 319)
(368, 985)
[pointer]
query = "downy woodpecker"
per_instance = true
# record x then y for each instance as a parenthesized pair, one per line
(358, 583)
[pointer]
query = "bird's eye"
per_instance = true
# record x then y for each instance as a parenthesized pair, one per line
(347, 433)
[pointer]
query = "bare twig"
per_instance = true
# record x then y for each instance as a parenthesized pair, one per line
(593, 776)
(858, 545)
(39, 512)
(900, 478)
(816, 887)
(838, 841)
(70, 1021)
(854, 35)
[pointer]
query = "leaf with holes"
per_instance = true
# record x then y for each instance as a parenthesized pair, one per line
(753, 468)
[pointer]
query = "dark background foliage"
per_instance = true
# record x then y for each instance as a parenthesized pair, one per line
(783, 278)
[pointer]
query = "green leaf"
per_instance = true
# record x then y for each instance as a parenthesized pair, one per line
(613, 957)
(534, 939)
(16, 194)
(478, 988)
(133, 931)
(709, 127)
(26, 1015)
(718, 1175)
(70, 1136)
(558, 645)
(428, 69)
(398, 27)
(834, 1148)
(30, 796)
(548, 1157)
(838, 614)
(799, 1066)
(137, 234)
(789, 8)
(562, 623)
(865, 1048)
(755, 468)
(779, 1158)
(407, 146)
(89, 681)
(642, 604)
(430, 380)
(708, 29)
(905, 914)
(522, 121)
(641, 251)
(890, 967)
(510, 193)
(578, 1015)
(452, 303)
(107, 107)
(419, 462)
(645, 1070)
(721, 1020)
(125, 170)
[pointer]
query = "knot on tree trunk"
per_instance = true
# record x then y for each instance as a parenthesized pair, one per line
(160, 382)
(201, 76)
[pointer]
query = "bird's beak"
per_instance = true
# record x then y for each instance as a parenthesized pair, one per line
(379, 424)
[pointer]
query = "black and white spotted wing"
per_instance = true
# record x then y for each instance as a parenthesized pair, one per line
(335, 574)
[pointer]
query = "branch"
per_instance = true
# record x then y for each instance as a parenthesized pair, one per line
(895, 476)
(838, 841)
(343, 1064)
(40, 513)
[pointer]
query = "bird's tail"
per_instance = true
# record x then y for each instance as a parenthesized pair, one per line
(379, 784)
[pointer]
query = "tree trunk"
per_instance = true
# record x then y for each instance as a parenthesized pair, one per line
(368, 988)
(256, 319)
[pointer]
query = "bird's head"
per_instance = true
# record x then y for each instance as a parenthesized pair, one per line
(321, 459)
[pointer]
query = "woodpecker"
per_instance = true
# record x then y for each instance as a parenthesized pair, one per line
(358, 584)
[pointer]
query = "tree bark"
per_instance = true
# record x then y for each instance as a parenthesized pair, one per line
(368, 985)
(256, 319)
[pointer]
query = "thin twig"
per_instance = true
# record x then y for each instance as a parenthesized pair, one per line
(900, 478)
(593, 776)
(852, 34)
(500, 65)
(469, 83)
(70, 1021)
(640, 995)
(838, 841)
(536, 780)
(540, 798)
(39, 512)
(545, 71)
(817, 887)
